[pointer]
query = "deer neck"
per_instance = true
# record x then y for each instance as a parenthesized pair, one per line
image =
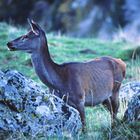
(45, 68)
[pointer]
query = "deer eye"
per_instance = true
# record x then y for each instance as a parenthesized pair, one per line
(24, 37)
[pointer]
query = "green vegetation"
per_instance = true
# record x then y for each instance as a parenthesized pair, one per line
(65, 49)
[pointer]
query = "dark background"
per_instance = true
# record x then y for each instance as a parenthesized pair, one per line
(82, 18)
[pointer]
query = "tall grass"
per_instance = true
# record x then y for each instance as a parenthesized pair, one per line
(133, 70)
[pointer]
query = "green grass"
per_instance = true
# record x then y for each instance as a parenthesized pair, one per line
(65, 49)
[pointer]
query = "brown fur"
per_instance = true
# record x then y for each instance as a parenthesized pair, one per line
(94, 82)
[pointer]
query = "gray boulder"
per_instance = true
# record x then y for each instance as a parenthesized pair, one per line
(132, 113)
(130, 93)
(27, 109)
(128, 90)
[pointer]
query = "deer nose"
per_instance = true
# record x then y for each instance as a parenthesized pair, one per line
(9, 44)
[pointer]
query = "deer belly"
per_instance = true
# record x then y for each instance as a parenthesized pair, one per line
(92, 99)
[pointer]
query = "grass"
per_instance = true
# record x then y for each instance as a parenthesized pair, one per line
(65, 49)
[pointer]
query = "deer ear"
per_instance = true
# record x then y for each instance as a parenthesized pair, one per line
(34, 26)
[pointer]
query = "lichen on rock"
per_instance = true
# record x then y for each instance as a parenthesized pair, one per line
(27, 108)
(130, 93)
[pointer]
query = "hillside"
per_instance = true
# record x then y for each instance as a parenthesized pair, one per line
(63, 49)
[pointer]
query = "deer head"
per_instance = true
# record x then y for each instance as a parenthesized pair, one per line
(30, 42)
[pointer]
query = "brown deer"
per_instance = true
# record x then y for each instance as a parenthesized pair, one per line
(88, 83)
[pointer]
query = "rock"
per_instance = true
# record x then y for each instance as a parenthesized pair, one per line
(128, 90)
(130, 94)
(132, 113)
(25, 107)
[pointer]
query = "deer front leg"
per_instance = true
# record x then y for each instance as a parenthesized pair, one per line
(77, 97)
(81, 109)
(79, 105)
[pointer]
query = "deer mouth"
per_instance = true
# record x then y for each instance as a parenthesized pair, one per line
(11, 47)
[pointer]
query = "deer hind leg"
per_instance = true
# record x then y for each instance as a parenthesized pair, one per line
(108, 104)
(112, 104)
(115, 99)
(115, 104)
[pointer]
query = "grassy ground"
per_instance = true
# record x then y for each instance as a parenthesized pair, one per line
(64, 49)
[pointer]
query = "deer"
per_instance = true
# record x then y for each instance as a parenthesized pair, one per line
(80, 84)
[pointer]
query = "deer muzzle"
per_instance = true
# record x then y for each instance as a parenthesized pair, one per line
(10, 46)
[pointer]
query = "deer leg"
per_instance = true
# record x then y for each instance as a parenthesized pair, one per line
(77, 97)
(115, 99)
(115, 104)
(80, 108)
(108, 104)
(79, 105)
